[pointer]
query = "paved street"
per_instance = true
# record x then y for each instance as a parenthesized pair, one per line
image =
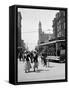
(55, 71)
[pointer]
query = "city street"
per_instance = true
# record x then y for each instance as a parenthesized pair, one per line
(41, 37)
(55, 71)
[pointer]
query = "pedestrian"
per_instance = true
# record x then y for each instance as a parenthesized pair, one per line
(24, 56)
(31, 57)
(27, 64)
(20, 56)
(43, 57)
(35, 60)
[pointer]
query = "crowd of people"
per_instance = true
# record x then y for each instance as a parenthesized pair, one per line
(31, 58)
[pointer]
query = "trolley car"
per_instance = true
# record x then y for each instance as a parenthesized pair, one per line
(55, 50)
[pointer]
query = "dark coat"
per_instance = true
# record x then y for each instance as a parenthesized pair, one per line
(44, 58)
(36, 58)
(27, 57)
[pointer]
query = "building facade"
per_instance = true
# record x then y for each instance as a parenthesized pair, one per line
(59, 25)
(21, 44)
(59, 30)
(19, 29)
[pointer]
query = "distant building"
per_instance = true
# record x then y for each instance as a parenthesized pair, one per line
(43, 37)
(59, 25)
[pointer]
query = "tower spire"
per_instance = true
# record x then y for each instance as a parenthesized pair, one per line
(40, 27)
(40, 31)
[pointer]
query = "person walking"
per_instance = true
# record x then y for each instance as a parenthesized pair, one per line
(35, 60)
(31, 57)
(27, 64)
(20, 56)
(43, 57)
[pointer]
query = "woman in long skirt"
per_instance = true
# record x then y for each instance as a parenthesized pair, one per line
(27, 64)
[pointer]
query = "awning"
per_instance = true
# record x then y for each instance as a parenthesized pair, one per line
(51, 42)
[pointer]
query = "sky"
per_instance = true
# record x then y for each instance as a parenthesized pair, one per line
(30, 24)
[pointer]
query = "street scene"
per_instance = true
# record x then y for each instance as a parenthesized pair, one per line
(41, 45)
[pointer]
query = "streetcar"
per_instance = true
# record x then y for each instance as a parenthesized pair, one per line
(55, 50)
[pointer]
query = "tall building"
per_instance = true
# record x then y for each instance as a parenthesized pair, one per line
(21, 44)
(59, 25)
(42, 36)
(59, 30)
(19, 29)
